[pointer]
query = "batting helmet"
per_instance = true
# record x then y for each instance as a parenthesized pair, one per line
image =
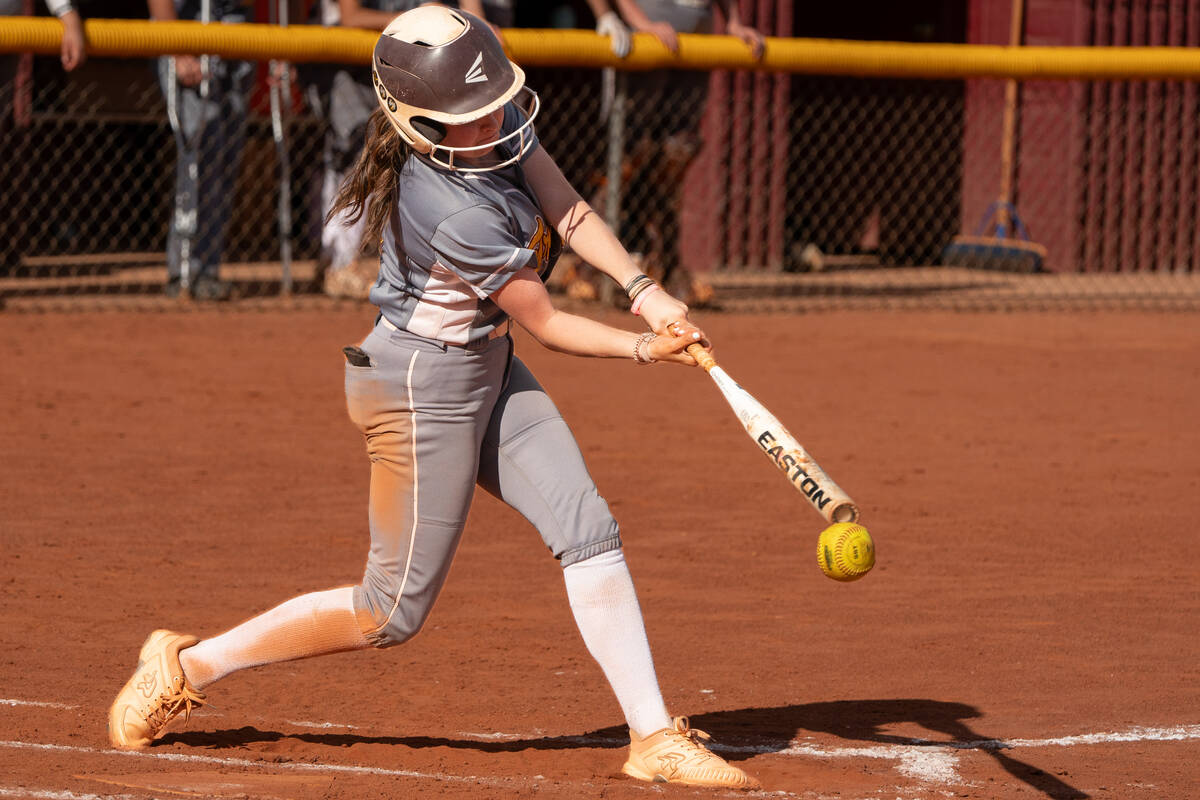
(435, 66)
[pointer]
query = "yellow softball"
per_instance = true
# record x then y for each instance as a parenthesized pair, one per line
(845, 551)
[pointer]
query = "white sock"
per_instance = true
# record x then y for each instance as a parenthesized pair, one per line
(309, 625)
(600, 590)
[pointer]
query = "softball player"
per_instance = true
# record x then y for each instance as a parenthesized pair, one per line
(470, 210)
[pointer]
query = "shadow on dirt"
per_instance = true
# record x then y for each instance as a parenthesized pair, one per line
(866, 721)
(745, 732)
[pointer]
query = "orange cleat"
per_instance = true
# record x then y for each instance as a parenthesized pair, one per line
(676, 755)
(157, 693)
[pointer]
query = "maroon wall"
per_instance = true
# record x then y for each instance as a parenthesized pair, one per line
(734, 192)
(1106, 172)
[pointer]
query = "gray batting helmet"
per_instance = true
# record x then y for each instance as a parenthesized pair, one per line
(435, 66)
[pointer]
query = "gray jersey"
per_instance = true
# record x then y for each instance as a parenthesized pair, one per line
(685, 16)
(331, 14)
(454, 238)
(219, 10)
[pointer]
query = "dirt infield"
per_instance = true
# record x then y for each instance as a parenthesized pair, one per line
(1032, 482)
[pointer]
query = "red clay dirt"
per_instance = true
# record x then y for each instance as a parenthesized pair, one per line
(1032, 482)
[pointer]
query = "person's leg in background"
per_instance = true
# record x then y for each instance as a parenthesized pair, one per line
(347, 271)
(680, 145)
(219, 157)
(184, 113)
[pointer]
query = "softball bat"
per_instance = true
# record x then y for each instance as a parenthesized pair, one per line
(801, 469)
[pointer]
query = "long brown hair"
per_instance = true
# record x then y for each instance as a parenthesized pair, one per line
(368, 187)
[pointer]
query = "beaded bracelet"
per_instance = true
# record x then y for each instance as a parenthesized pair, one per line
(643, 341)
(636, 308)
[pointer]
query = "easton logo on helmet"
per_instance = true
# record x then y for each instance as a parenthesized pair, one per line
(475, 73)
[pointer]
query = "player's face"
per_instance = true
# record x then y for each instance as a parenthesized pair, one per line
(474, 133)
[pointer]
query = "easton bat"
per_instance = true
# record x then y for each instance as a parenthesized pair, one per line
(781, 447)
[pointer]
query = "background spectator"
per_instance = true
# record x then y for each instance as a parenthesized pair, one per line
(665, 137)
(206, 103)
(16, 90)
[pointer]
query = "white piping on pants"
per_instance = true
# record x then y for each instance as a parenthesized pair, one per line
(412, 534)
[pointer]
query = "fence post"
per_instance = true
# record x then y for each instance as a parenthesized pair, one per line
(616, 153)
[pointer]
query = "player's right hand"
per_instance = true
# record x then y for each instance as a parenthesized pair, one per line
(673, 343)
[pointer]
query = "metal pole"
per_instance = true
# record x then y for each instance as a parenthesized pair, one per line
(281, 93)
(616, 154)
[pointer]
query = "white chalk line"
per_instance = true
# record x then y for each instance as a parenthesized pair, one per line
(36, 704)
(190, 758)
(512, 784)
(1135, 734)
(921, 759)
(926, 760)
(62, 794)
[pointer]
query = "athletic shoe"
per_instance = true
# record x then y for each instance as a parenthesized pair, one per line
(203, 288)
(676, 755)
(206, 288)
(157, 693)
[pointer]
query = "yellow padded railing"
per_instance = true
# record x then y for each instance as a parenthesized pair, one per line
(579, 48)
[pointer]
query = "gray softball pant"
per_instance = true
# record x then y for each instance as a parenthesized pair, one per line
(439, 419)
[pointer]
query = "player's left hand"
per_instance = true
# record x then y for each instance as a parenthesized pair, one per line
(661, 309)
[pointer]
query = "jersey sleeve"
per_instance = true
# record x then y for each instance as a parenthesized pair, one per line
(479, 246)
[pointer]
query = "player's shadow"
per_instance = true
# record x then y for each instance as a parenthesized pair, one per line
(867, 721)
(763, 729)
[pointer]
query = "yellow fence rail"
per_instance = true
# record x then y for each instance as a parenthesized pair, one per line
(578, 48)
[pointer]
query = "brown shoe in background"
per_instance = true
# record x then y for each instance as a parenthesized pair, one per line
(353, 281)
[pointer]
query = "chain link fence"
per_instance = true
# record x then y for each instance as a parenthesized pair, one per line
(743, 191)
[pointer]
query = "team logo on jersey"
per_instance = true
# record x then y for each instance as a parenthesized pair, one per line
(541, 242)
(475, 73)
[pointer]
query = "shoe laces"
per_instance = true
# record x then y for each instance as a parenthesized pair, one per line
(171, 703)
(692, 738)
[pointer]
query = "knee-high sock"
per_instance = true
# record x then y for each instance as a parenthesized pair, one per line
(600, 590)
(309, 625)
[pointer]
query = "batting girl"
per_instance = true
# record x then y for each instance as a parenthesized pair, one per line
(469, 210)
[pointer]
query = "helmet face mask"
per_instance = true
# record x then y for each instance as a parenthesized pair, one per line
(435, 66)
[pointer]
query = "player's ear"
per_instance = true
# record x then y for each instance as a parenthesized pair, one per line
(431, 129)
